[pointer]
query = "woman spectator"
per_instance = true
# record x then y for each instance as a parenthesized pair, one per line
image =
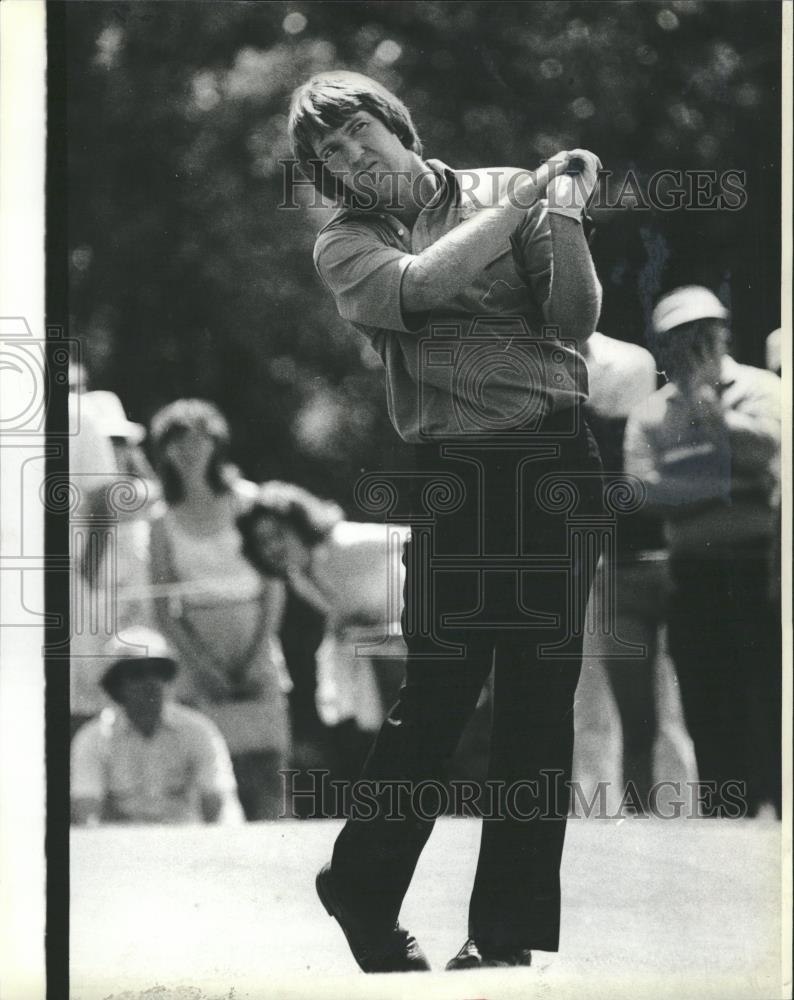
(221, 615)
(349, 572)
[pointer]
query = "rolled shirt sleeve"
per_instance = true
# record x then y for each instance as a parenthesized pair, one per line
(639, 457)
(88, 771)
(214, 772)
(532, 254)
(364, 275)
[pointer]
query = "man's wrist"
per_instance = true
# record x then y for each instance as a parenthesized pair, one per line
(524, 194)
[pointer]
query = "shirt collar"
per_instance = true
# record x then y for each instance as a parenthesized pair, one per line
(448, 186)
(448, 190)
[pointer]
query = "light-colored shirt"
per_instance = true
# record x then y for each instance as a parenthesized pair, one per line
(229, 599)
(223, 611)
(714, 490)
(359, 570)
(156, 779)
(622, 375)
(101, 607)
(479, 362)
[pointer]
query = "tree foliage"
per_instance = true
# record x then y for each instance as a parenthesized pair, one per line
(187, 279)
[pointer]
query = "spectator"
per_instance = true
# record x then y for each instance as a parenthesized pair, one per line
(343, 570)
(107, 541)
(126, 438)
(623, 376)
(92, 469)
(706, 447)
(148, 760)
(220, 614)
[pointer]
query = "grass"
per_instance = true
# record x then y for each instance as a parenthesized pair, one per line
(651, 909)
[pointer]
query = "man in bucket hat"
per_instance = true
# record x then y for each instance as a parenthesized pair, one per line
(706, 446)
(149, 760)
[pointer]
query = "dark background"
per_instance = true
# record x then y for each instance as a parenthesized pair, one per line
(185, 278)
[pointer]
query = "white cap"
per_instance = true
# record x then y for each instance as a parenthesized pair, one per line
(134, 649)
(109, 413)
(685, 305)
(139, 643)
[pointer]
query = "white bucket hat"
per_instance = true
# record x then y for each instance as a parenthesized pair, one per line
(112, 420)
(135, 650)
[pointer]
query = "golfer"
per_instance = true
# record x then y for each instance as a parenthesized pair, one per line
(475, 288)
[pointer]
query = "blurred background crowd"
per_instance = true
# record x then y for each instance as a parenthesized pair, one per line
(216, 381)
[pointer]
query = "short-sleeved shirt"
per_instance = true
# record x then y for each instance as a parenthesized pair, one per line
(714, 498)
(482, 362)
(622, 377)
(93, 468)
(156, 779)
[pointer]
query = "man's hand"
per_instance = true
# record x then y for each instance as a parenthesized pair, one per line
(574, 302)
(569, 192)
(704, 397)
(86, 811)
(697, 382)
(539, 181)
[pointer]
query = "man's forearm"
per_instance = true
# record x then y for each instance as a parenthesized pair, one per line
(448, 266)
(574, 303)
(86, 811)
(451, 263)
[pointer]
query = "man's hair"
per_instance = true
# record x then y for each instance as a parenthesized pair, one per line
(324, 103)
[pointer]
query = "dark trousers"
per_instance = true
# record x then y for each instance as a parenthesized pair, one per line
(259, 783)
(725, 640)
(640, 600)
(515, 612)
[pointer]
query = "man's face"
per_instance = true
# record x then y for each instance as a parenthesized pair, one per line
(142, 694)
(690, 359)
(366, 156)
